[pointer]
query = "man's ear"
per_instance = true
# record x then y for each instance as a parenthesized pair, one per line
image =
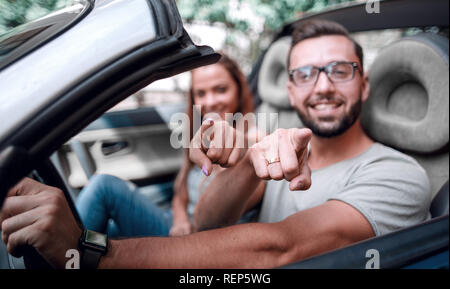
(290, 89)
(365, 87)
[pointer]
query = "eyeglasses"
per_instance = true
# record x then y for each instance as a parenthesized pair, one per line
(336, 72)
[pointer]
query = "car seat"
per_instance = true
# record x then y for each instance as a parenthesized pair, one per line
(408, 108)
(272, 88)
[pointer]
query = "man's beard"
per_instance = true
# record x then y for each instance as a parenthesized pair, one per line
(343, 125)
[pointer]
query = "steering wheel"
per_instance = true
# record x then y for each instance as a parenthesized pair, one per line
(46, 173)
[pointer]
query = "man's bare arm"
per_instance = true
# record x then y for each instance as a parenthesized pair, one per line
(256, 245)
(227, 197)
(38, 215)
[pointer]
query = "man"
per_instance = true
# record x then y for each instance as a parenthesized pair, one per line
(346, 189)
(350, 172)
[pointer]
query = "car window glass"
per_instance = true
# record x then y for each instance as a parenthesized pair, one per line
(16, 13)
(10, 43)
(25, 27)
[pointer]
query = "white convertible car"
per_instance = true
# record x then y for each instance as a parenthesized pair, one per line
(60, 75)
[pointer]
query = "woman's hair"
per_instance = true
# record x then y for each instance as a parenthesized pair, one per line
(245, 97)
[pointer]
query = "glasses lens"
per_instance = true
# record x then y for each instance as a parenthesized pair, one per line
(340, 72)
(305, 75)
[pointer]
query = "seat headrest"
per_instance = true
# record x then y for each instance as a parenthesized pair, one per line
(273, 75)
(408, 107)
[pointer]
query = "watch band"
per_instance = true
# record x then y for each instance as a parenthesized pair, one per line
(90, 258)
(93, 246)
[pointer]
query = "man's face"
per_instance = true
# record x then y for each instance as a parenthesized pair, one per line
(327, 108)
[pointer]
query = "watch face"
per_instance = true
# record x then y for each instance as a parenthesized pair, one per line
(96, 238)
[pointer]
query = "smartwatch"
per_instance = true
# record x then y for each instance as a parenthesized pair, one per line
(93, 246)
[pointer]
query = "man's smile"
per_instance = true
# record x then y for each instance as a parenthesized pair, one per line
(325, 108)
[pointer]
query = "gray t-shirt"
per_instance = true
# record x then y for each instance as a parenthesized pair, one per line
(389, 188)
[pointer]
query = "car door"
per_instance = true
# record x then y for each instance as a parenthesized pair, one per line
(131, 142)
(56, 78)
(89, 79)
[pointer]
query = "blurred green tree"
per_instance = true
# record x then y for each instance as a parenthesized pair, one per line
(256, 20)
(275, 13)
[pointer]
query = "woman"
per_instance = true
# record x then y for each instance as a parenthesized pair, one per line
(116, 207)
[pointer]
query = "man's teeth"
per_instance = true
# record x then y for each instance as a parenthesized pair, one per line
(325, 106)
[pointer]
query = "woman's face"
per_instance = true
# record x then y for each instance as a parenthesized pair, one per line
(215, 90)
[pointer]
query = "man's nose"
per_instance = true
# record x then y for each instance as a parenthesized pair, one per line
(323, 84)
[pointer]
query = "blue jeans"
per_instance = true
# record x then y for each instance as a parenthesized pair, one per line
(115, 207)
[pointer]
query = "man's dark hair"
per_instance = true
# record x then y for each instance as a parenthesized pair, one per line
(316, 28)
